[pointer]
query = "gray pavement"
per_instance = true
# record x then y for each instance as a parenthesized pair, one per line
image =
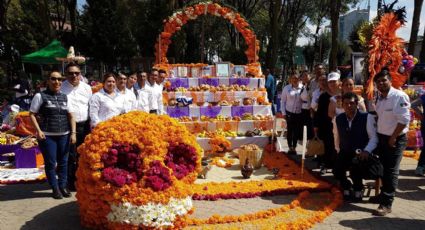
(29, 207)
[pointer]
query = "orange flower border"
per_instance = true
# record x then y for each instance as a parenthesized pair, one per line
(182, 16)
(318, 216)
(289, 181)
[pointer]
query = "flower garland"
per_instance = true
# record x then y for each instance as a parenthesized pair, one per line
(289, 181)
(411, 154)
(181, 17)
(219, 144)
(310, 213)
(135, 158)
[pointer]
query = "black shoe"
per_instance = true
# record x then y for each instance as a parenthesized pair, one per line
(375, 199)
(57, 194)
(322, 170)
(357, 196)
(65, 192)
(382, 210)
(346, 195)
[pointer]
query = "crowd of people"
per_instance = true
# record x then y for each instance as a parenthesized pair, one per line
(64, 113)
(357, 136)
(356, 133)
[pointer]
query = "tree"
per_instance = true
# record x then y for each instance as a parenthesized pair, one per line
(415, 26)
(335, 10)
(422, 54)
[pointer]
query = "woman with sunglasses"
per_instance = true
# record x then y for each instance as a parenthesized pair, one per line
(56, 129)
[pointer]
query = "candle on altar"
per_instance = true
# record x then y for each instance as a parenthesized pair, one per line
(304, 142)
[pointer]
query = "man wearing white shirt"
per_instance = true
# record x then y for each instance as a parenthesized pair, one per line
(161, 78)
(142, 77)
(78, 94)
(393, 111)
(155, 103)
(128, 97)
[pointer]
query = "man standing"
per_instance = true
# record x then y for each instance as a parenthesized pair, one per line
(155, 103)
(161, 78)
(141, 80)
(128, 97)
(352, 126)
(79, 94)
(393, 113)
(271, 88)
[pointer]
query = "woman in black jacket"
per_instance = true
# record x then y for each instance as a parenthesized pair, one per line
(55, 131)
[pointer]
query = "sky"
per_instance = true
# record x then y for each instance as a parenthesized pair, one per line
(403, 32)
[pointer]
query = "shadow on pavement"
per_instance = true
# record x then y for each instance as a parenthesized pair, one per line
(24, 191)
(383, 223)
(64, 217)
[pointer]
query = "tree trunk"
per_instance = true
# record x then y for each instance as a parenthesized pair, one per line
(272, 48)
(72, 7)
(415, 26)
(422, 54)
(335, 8)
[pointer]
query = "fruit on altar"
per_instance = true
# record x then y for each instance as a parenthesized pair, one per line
(172, 102)
(247, 101)
(237, 118)
(247, 116)
(224, 103)
(236, 103)
(204, 118)
(181, 89)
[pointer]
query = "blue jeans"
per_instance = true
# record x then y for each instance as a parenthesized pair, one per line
(55, 150)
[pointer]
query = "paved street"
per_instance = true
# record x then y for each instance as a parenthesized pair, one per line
(30, 207)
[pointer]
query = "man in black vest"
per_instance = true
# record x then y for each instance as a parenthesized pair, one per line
(353, 125)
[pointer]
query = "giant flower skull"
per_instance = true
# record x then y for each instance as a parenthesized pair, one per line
(135, 170)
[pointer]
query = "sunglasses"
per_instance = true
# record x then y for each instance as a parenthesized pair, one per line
(74, 73)
(56, 79)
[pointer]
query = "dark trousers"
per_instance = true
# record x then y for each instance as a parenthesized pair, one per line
(307, 121)
(390, 159)
(153, 111)
(325, 134)
(55, 151)
(344, 163)
(421, 161)
(294, 128)
(82, 128)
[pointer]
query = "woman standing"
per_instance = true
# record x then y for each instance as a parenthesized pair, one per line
(291, 110)
(106, 103)
(54, 127)
(306, 104)
(323, 127)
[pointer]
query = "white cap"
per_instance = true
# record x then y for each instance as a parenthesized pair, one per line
(333, 76)
(14, 108)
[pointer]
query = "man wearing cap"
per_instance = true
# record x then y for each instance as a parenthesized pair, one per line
(323, 127)
(393, 111)
(78, 94)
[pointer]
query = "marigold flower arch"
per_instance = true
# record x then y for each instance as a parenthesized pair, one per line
(182, 16)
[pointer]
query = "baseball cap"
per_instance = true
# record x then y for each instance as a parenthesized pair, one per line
(333, 76)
